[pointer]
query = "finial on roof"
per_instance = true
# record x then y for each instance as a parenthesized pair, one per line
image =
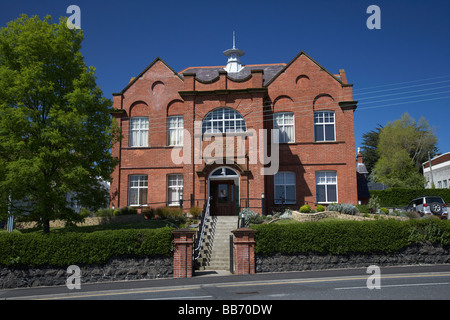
(234, 64)
(234, 40)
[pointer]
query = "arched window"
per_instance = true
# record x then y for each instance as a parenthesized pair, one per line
(223, 120)
(224, 172)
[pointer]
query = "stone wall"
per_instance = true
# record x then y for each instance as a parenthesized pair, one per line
(115, 270)
(412, 255)
(311, 217)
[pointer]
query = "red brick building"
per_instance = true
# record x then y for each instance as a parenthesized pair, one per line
(164, 113)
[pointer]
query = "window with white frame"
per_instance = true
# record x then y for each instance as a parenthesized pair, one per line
(139, 132)
(285, 122)
(174, 189)
(175, 126)
(324, 126)
(326, 186)
(284, 185)
(138, 190)
(445, 184)
(223, 120)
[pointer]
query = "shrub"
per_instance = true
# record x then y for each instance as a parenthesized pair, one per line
(248, 216)
(149, 213)
(344, 237)
(320, 208)
(374, 204)
(345, 208)
(255, 219)
(334, 207)
(84, 213)
(63, 249)
(172, 214)
(434, 231)
(401, 197)
(305, 208)
(287, 214)
(362, 208)
(348, 208)
(196, 212)
(109, 212)
(413, 215)
(162, 212)
(125, 211)
(331, 237)
(384, 210)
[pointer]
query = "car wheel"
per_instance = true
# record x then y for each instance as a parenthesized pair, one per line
(436, 207)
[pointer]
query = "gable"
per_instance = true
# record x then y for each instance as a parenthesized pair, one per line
(158, 62)
(297, 57)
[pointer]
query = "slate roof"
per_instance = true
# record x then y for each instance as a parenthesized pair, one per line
(210, 73)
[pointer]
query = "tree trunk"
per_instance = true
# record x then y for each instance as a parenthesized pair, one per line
(46, 225)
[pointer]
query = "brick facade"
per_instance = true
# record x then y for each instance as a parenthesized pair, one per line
(301, 87)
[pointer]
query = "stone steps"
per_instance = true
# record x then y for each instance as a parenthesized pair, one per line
(215, 254)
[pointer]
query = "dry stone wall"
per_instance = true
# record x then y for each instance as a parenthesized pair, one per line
(118, 269)
(412, 255)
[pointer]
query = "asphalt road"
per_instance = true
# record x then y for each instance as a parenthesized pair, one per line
(394, 283)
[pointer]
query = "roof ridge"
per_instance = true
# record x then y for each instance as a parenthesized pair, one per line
(245, 65)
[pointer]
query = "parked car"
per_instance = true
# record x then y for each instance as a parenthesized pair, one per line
(429, 206)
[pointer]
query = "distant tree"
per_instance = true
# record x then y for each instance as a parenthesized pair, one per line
(55, 128)
(403, 146)
(369, 148)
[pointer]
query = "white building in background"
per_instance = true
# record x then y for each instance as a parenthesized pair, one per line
(439, 172)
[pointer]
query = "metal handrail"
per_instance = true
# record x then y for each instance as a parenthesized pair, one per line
(205, 215)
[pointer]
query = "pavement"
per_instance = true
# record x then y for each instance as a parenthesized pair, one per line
(208, 278)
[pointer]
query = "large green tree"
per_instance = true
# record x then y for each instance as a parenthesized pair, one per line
(369, 148)
(55, 128)
(403, 145)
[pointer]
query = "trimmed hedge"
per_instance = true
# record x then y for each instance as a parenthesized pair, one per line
(64, 249)
(346, 237)
(401, 197)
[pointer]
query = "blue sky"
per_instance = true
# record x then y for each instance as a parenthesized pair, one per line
(403, 67)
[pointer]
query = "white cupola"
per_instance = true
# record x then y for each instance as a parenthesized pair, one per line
(233, 64)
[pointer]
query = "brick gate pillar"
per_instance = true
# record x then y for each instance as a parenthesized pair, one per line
(183, 253)
(244, 251)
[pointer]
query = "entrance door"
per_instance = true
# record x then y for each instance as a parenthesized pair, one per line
(223, 198)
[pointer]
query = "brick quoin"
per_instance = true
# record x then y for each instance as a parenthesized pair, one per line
(302, 86)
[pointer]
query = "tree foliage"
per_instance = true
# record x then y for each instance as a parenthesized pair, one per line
(369, 148)
(55, 129)
(403, 145)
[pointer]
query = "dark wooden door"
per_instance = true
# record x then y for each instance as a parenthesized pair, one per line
(223, 198)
